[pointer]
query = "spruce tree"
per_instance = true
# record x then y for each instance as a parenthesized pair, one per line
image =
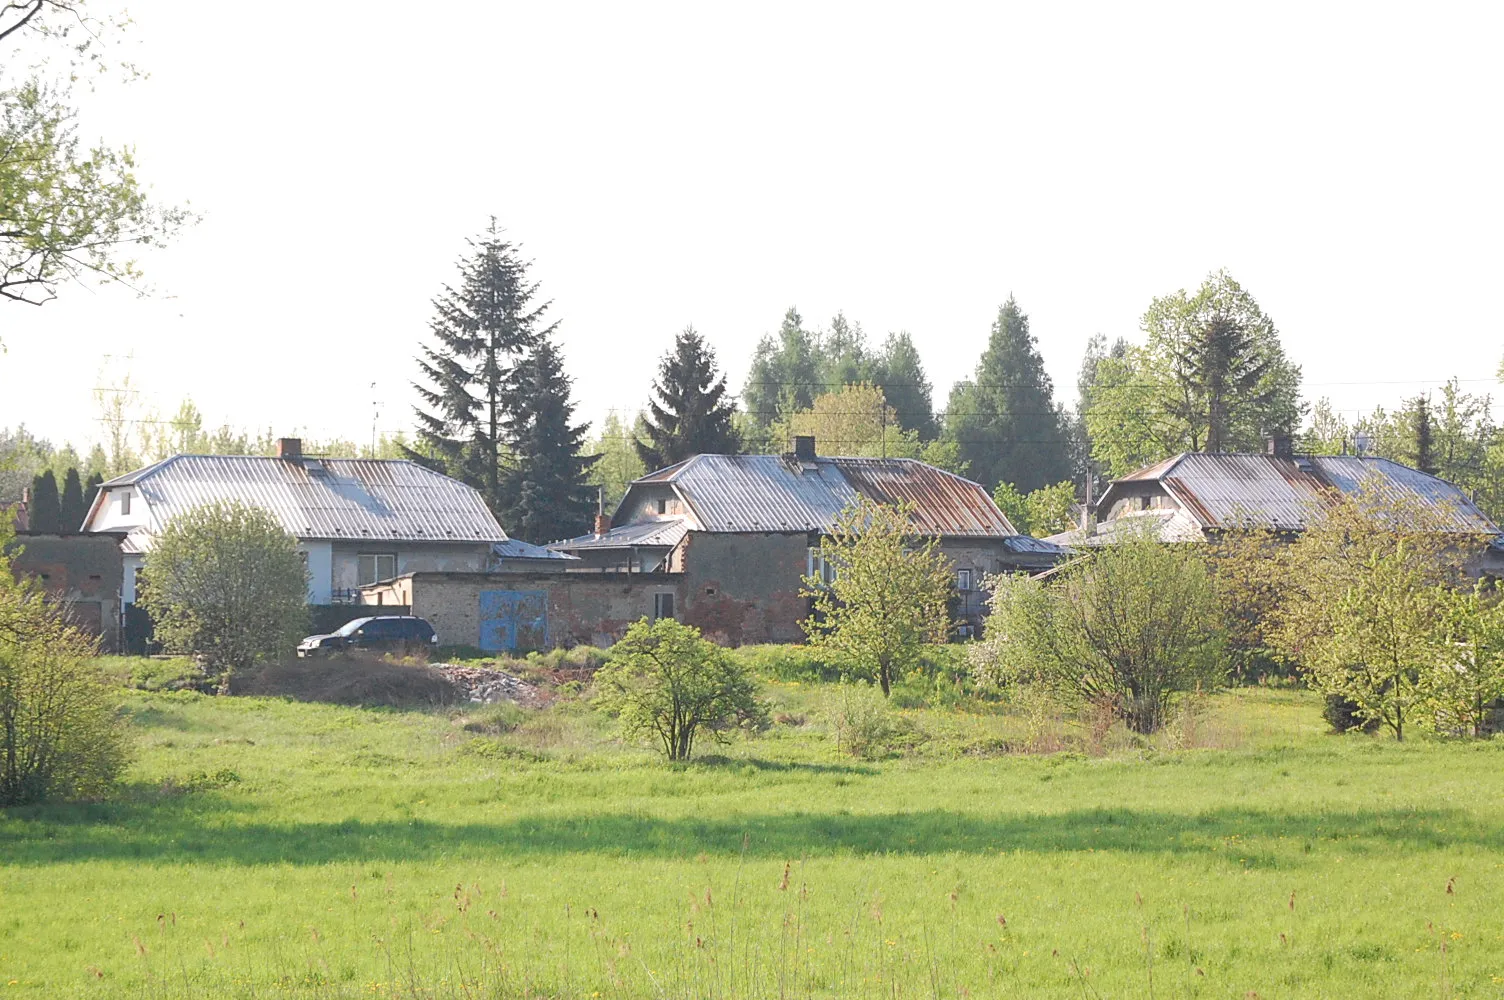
(44, 516)
(1422, 453)
(1005, 422)
(692, 414)
(1221, 369)
(546, 489)
(71, 507)
(481, 329)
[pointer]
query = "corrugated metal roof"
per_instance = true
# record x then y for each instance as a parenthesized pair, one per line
(1223, 490)
(1165, 525)
(331, 498)
(516, 548)
(743, 493)
(644, 534)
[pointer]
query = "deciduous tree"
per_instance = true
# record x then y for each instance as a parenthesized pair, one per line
(60, 736)
(1211, 375)
(885, 595)
(1126, 627)
(225, 582)
(68, 211)
(1367, 589)
(669, 684)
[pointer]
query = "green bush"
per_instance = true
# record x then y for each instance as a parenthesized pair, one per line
(864, 723)
(60, 734)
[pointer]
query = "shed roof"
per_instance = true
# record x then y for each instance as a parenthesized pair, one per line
(657, 533)
(323, 498)
(1223, 490)
(755, 493)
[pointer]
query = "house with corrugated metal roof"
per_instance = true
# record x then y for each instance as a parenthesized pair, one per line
(357, 521)
(1192, 496)
(744, 531)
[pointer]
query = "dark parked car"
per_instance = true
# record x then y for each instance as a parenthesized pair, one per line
(385, 634)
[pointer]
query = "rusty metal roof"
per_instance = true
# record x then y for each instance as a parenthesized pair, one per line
(1223, 490)
(322, 498)
(754, 493)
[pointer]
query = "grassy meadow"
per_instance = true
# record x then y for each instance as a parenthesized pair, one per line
(269, 848)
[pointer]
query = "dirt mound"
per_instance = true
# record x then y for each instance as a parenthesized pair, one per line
(487, 687)
(351, 681)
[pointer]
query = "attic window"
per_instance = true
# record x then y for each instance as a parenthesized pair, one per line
(125, 501)
(662, 506)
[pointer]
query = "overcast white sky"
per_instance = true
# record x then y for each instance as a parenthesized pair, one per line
(709, 164)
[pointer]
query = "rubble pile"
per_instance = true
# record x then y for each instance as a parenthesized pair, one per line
(487, 687)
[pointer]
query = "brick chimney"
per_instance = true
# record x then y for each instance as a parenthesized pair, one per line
(602, 523)
(804, 447)
(23, 511)
(290, 449)
(1281, 446)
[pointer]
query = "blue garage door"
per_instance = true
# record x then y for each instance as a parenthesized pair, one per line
(513, 620)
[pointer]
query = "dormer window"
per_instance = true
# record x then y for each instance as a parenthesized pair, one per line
(125, 502)
(662, 506)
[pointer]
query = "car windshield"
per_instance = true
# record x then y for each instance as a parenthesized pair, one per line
(349, 627)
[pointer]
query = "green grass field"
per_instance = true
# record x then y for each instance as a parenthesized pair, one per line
(265, 848)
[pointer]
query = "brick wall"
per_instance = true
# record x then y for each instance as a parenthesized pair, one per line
(745, 588)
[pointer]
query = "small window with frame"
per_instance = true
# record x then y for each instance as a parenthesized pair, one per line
(662, 506)
(963, 580)
(125, 502)
(376, 566)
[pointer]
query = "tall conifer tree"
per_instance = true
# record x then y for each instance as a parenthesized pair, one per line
(481, 329)
(692, 414)
(546, 489)
(91, 490)
(899, 373)
(1005, 422)
(71, 507)
(44, 516)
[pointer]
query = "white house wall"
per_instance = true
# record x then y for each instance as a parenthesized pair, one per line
(411, 558)
(320, 571)
(109, 516)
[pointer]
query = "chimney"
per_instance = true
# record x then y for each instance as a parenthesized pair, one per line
(23, 511)
(602, 523)
(804, 447)
(1281, 446)
(290, 449)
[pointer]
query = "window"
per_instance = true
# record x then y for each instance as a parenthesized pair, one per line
(125, 501)
(819, 567)
(663, 606)
(376, 566)
(662, 506)
(963, 580)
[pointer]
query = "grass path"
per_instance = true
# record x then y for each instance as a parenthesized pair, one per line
(271, 849)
